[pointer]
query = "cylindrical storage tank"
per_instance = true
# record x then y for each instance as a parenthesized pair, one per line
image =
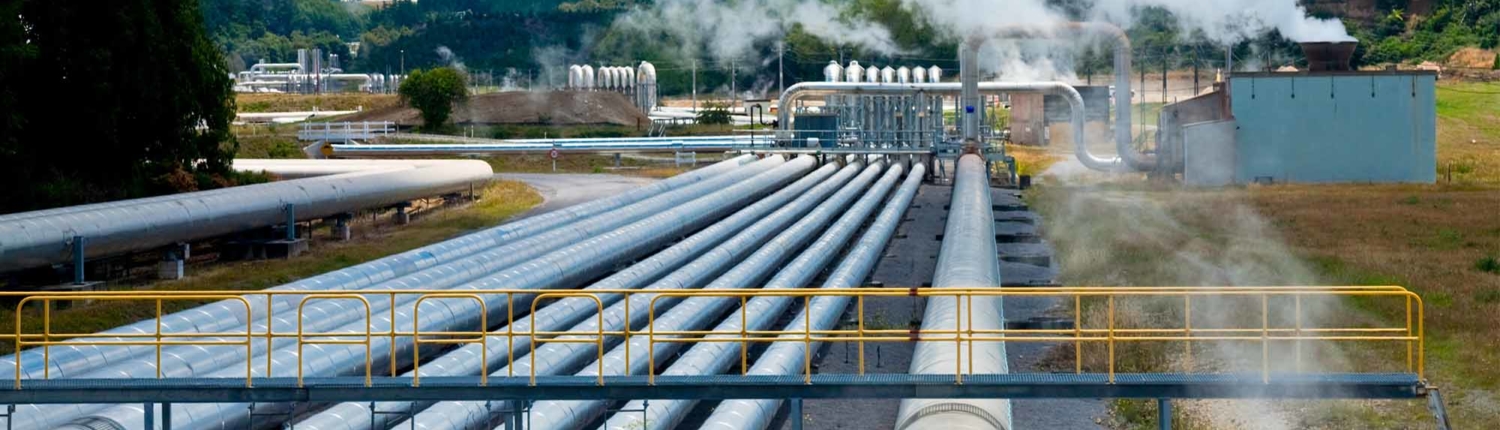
(832, 73)
(934, 74)
(613, 78)
(919, 75)
(575, 77)
(903, 75)
(888, 75)
(588, 78)
(854, 73)
(629, 77)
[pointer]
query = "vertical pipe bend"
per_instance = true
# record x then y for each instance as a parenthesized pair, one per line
(1124, 140)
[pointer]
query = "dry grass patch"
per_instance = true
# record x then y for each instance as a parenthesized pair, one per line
(258, 103)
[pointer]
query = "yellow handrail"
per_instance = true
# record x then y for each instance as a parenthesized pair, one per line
(1111, 332)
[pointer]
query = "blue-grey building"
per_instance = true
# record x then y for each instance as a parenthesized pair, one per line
(1333, 127)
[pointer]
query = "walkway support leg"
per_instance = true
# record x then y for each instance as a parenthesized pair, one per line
(150, 416)
(166, 416)
(795, 415)
(1164, 414)
(1439, 412)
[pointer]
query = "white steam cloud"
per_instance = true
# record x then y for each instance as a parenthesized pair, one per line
(1228, 21)
(731, 29)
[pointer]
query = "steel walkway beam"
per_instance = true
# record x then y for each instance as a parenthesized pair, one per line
(890, 386)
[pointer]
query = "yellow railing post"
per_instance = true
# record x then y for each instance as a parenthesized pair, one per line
(302, 339)
(477, 339)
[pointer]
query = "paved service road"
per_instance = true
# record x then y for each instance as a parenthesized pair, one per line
(566, 189)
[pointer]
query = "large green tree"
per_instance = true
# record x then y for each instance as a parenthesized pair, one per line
(434, 92)
(112, 102)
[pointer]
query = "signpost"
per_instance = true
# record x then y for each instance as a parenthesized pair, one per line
(554, 154)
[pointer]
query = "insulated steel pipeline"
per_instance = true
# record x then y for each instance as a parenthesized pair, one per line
(697, 312)
(633, 144)
(557, 316)
(559, 358)
(328, 315)
(787, 358)
(758, 314)
(67, 360)
(968, 259)
(555, 270)
(40, 238)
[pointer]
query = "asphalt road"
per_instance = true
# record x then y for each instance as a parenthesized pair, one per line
(561, 190)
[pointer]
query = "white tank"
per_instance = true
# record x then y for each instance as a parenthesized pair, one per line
(888, 75)
(833, 73)
(588, 78)
(854, 73)
(615, 78)
(903, 75)
(646, 73)
(575, 76)
(919, 75)
(629, 77)
(934, 74)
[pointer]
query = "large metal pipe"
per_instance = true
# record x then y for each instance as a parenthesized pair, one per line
(787, 358)
(696, 312)
(557, 316)
(39, 238)
(759, 314)
(492, 146)
(1124, 141)
(67, 360)
(327, 316)
(557, 358)
(967, 259)
(557, 269)
(807, 90)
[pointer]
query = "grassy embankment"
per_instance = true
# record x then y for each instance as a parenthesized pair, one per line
(1438, 240)
(501, 200)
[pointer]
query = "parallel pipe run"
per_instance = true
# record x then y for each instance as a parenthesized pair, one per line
(559, 358)
(184, 361)
(968, 259)
(558, 269)
(39, 238)
(758, 314)
(807, 90)
(469, 360)
(219, 316)
(789, 357)
(695, 313)
(634, 144)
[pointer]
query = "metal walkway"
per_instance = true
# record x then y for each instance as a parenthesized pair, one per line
(1014, 386)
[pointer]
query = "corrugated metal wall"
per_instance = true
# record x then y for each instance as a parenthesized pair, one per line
(1355, 127)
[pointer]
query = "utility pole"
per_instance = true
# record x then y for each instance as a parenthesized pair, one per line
(1164, 77)
(403, 62)
(695, 86)
(733, 92)
(1195, 72)
(781, 66)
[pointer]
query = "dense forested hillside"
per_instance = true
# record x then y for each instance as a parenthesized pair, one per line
(527, 38)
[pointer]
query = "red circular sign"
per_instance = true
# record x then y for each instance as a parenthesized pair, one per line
(554, 154)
